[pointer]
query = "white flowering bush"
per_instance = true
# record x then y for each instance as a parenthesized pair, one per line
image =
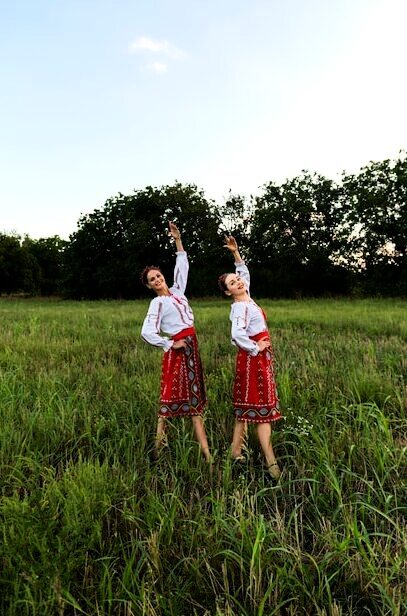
(298, 425)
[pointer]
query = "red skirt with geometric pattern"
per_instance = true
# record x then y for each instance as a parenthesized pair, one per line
(182, 384)
(255, 396)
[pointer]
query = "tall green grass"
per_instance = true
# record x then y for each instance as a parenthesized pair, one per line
(90, 526)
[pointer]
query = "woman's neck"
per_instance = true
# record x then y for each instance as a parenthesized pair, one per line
(243, 298)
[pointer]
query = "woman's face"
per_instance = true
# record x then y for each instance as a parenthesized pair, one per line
(235, 285)
(156, 281)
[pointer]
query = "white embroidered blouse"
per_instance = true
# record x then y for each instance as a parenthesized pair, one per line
(169, 313)
(247, 317)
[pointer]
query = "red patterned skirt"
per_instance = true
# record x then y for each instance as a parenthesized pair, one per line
(182, 385)
(255, 396)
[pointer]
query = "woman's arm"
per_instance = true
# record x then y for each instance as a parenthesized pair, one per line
(176, 234)
(181, 264)
(150, 331)
(241, 267)
(231, 244)
(239, 318)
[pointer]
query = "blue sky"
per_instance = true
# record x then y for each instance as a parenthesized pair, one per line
(100, 97)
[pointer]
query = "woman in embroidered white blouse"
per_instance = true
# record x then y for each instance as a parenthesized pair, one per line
(182, 386)
(255, 398)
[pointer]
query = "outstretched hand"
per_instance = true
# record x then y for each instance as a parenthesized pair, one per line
(174, 231)
(230, 243)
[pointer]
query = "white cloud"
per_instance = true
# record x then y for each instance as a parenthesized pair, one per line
(158, 67)
(143, 43)
(146, 44)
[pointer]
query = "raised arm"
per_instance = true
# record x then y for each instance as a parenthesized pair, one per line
(241, 267)
(181, 263)
(231, 244)
(176, 234)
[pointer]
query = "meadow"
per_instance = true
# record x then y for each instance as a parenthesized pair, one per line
(90, 525)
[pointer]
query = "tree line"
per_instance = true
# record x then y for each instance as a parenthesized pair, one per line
(308, 236)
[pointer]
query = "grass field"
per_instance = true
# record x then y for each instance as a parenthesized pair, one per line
(89, 526)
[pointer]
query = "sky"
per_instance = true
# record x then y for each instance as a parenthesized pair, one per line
(100, 97)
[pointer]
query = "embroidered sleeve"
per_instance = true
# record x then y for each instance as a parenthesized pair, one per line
(150, 331)
(239, 316)
(180, 273)
(243, 271)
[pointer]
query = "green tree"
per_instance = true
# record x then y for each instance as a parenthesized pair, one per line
(237, 215)
(297, 237)
(48, 254)
(378, 199)
(112, 245)
(18, 269)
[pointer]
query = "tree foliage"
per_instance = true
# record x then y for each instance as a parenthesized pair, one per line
(48, 256)
(114, 244)
(306, 236)
(296, 237)
(236, 214)
(16, 275)
(378, 211)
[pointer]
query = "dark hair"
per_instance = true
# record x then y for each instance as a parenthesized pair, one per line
(144, 273)
(222, 282)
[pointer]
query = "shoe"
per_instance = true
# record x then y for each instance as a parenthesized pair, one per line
(154, 455)
(274, 470)
(240, 467)
(239, 460)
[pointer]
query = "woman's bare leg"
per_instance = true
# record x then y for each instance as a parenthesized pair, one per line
(200, 434)
(160, 434)
(239, 434)
(264, 434)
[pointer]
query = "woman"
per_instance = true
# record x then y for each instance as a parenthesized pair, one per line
(182, 386)
(255, 397)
